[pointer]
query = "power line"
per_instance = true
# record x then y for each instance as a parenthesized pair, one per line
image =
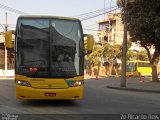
(11, 9)
(85, 14)
(92, 12)
(2, 26)
(96, 15)
(82, 17)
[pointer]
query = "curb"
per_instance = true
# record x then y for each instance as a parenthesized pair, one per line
(9, 78)
(133, 89)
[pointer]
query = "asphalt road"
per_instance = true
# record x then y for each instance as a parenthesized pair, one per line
(97, 100)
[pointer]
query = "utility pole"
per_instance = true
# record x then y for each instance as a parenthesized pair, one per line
(104, 9)
(6, 29)
(124, 50)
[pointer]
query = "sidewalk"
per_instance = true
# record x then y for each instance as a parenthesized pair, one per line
(153, 87)
(7, 74)
(132, 84)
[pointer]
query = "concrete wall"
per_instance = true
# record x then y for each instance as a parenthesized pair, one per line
(7, 73)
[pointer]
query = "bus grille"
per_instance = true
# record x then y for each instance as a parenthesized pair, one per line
(49, 85)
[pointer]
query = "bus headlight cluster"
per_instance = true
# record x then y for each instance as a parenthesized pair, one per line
(75, 83)
(23, 83)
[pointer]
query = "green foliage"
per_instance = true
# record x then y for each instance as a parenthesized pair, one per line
(108, 52)
(143, 18)
(131, 55)
(135, 55)
(94, 57)
(142, 55)
(105, 52)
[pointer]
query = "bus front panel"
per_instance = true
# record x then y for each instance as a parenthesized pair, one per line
(44, 88)
(49, 57)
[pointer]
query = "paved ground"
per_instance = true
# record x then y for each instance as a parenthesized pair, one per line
(99, 101)
(143, 84)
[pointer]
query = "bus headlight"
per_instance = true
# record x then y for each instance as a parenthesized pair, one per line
(23, 83)
(75, 83)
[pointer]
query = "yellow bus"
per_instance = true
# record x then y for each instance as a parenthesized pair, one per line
(138, 68)
(49, 57)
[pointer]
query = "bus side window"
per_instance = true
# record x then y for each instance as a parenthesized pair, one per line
(139, 64)
(147, 65)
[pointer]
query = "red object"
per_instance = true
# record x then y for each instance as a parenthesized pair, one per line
(33, 69)
(96, 77)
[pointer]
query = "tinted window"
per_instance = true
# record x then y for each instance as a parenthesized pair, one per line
(53, 46)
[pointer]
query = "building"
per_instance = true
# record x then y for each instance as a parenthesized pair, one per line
(10, 56)
(111, 29)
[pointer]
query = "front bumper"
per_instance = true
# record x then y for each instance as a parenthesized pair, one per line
(71, 93)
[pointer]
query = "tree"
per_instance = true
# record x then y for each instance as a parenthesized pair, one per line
(143, 20)
(93, 60)
(142, 55)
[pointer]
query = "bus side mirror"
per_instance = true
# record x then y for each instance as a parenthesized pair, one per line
(89, 44)
(8, 40)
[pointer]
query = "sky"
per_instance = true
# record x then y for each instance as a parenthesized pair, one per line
(68, 8)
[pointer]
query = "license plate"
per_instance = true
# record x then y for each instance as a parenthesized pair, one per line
(50, 94)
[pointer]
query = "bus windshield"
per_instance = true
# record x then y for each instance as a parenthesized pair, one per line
(131, 67)
(52, 47)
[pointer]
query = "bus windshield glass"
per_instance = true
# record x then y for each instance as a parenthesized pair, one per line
(50, 47)
(131, 67)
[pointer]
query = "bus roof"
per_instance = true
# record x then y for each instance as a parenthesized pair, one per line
(139, 61)
(47, 17)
